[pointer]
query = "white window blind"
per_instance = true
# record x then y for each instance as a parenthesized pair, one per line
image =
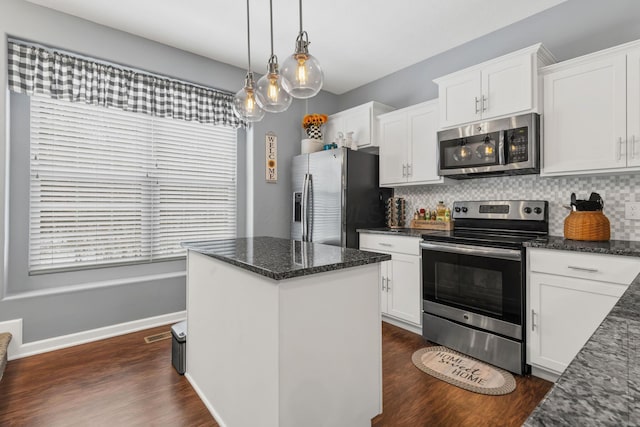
(111, 187)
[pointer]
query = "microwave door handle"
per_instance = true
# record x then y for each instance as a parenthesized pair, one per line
(503, 146)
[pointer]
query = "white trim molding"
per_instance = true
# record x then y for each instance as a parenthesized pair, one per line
(18, 349)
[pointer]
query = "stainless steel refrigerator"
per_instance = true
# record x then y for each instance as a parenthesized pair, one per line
(336, 192)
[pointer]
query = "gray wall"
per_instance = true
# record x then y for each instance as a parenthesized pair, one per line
(573, 28)
(79, 309)
(56, 314)
(272, 202)
(569, 30)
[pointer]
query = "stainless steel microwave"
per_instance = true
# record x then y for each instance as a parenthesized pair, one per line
(509, 146)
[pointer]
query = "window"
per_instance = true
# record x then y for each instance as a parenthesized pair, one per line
(111, 187)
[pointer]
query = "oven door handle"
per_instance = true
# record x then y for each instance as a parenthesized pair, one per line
(500, 253)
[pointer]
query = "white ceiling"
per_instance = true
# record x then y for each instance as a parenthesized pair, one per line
(356, 41)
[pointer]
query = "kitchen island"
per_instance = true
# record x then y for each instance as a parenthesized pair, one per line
(284, 333)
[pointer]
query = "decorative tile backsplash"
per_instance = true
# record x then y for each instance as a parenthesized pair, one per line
(615, 190)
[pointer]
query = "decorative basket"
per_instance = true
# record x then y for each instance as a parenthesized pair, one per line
(587, 225)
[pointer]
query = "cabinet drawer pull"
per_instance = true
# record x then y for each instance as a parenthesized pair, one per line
(485, 102)
(404, 170)
(533, 322)
(409, 169)
(477, 102)
(389, 245)
(388, 286)
(633, 146)
(383, 287)
(590, 270)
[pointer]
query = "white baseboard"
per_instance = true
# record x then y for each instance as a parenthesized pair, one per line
(206, 402)
(399, 323)
(15, 328)
(18, 350)
(544, 374)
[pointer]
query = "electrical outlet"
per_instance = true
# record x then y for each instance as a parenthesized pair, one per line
(632, 210)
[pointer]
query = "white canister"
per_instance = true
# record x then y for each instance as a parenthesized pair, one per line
(310, 145)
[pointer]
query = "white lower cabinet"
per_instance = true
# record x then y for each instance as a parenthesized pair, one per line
(399, 281)
(569, 295)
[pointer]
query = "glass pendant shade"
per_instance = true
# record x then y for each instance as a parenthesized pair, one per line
(245, 103)
(270, 92)
(303, 77)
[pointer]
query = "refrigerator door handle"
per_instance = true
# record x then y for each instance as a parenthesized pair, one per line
(306, 223)
(309, 208)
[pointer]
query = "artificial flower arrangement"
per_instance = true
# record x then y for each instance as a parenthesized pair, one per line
(311, 124)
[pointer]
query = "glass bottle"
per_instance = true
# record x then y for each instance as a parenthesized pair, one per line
(440, 211)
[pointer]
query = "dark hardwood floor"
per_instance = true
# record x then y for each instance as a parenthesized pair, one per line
(412, 398)
(119, 381)
(122, 381)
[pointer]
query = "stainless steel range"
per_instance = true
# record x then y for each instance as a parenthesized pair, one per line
(473, 280)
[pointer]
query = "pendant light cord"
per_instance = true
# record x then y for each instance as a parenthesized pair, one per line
(300, 3)
(248, 39)
(271, 23)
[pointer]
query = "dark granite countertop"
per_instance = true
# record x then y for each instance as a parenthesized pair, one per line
(612, 247)
(601, 386)
(281, 259)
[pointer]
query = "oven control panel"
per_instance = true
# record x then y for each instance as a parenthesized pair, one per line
(534, 210)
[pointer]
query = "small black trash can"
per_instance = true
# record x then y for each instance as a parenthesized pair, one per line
(178, 346)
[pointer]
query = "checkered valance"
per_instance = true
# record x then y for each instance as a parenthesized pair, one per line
(33, 69)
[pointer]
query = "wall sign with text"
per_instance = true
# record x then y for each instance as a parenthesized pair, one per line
(271, 157)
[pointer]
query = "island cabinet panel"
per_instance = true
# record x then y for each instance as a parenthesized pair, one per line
(232, 342)
(301, 351)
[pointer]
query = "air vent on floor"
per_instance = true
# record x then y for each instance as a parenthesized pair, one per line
(157, 337)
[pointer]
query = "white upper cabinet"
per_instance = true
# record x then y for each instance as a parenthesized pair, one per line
(591, 118)
(504, 86)
(394, 148)
(360, 120)
(633, 108)
(409, 145)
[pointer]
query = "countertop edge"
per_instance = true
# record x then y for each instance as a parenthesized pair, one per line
(611, 247)
(280, 259)
(298, 273)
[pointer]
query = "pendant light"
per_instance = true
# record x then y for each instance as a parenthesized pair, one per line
(244, 102)
(269, 90)
(302, 74)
